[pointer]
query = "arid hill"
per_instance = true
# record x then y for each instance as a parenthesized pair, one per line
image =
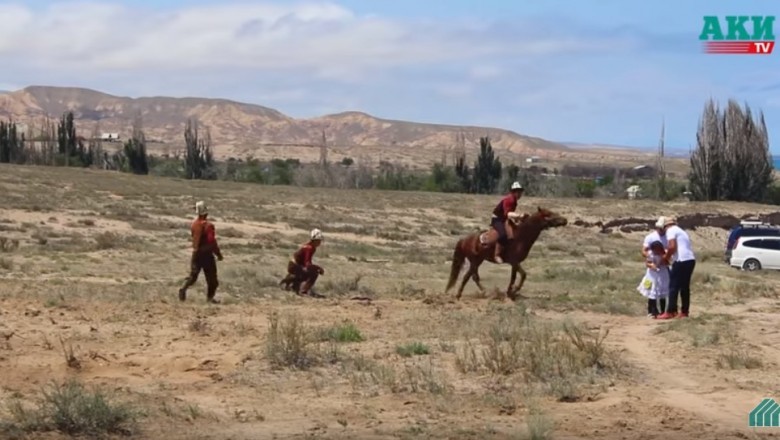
(239, 129)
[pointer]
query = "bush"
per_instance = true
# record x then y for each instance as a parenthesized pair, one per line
(72, 409)
(413, 349)
(289, 343)
(346, 332)
(561, 357)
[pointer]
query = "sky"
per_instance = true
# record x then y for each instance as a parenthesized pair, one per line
(589, 71)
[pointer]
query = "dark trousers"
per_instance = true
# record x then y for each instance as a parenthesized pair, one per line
(680, 284)
(656, 306)
(500, 227)
(203, 261)
(297, 275)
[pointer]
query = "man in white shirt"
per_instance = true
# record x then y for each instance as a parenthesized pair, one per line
(656, 235)
(680, 251)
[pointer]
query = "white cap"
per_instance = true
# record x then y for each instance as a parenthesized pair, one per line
(661, 222)
(200, 208)
(316, 234)
(516, 185)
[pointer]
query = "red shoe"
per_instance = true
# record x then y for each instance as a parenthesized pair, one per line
(667, 315)
(682, 315)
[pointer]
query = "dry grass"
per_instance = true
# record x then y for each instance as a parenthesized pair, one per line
(386, 354)
(72, 409)
(561, 358)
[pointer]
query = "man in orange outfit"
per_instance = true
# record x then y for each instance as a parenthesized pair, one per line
(300, 269)
(204, 248)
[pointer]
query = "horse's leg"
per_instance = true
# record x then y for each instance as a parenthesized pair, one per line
(509, 290)
(475, 277)
(522, 281)
(466, 278)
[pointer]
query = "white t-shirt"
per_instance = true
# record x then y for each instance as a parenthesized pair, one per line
(653, 237)
(684, 248)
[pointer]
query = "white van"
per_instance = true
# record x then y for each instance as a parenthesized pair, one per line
(756, 253)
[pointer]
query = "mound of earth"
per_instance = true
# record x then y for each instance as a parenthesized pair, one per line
(690, 221)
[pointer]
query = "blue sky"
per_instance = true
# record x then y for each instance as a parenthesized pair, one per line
(585, 71)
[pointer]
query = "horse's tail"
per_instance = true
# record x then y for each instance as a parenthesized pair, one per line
(458, 258)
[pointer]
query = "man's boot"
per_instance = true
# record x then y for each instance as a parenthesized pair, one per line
(210, 294)
(499, 250)
(305, 288)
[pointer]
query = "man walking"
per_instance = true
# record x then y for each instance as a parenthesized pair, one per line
(680, 251)
(204, 248)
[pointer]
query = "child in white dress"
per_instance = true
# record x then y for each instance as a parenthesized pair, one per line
(655, 284)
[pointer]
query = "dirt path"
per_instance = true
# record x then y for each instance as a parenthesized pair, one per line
(678, 376)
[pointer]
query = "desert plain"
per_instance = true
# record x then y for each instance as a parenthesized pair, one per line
(91, 262)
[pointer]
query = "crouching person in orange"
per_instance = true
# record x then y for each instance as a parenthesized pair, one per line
(204, 248)
(301, 269)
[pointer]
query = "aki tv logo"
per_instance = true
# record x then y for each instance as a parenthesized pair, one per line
(765, 415)
(738, 34)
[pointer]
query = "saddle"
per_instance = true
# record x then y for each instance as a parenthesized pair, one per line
(489, 237)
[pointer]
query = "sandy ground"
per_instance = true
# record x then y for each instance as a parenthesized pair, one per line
(100, 256)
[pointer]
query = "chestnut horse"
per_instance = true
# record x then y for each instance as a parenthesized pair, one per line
(515, 252)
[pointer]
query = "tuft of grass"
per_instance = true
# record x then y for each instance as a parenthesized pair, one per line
(737, 359)
(8, 244)
(346, 332)
(702, 331)
(72, 409)
(107, 240)
(424, 378)
(200, 326)
(609, 261)
(539, 425)
(364, 373)
(289, 343)
(230, 232)
(344, 286)
(412, 349)
(562, 358)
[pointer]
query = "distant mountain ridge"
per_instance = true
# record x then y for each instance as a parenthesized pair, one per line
(669, 151)
(238, 127)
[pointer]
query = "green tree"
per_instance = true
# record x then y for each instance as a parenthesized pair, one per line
(135, 150)
(512, 172)
(463, 173)
(11, 143)
(198, 158)
(732, 159)
(70, 146)
(487, 169)
(442, 178)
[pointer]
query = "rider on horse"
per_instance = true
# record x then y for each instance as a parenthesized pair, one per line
(504, 210)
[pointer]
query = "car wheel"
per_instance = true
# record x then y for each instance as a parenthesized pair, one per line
(752, 264)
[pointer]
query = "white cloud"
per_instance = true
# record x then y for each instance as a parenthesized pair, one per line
(454, 90)
(484, 72)
(326, 38)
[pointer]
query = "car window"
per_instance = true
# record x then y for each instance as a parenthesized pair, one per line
(753, 232)
(752, 243)
(771, 244)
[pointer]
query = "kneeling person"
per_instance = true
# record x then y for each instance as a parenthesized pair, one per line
(301, 269)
